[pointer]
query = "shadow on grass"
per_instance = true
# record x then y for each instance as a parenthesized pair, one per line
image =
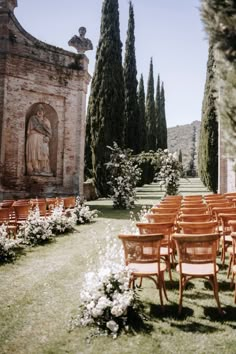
(170, 311)
(223, 285)
(229, 314)
(107, 211)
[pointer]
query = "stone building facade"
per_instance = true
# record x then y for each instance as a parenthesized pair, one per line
(33, 73)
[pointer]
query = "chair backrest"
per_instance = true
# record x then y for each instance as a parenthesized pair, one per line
(232, 224)
(207, 227)
(195, 217)
(217, 196)
(22, 211)
(165, 210)
(192, 197)
(41, 204)
(4, 215)
(165, 228)
(196, 249)
(225, 219)
(69, 202)
(200, 210)
(228, 210)
(141, 249)
(52, 203)
(194, 205)
(159, 218)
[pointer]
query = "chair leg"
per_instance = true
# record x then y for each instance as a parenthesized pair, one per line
(181, 281)
(160, 291)
(216, 293)
(163, 285)
(229, 267)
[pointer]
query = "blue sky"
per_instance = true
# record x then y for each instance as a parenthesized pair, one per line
(169, 31)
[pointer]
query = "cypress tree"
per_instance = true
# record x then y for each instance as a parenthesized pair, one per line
(106, 104)
(162, 122)
(158, 112)
(88, 170)
(208, 140)
(142, 134)
(180, 156)
(219, 19)
(150, 112)
(191, 171)
(130, 82)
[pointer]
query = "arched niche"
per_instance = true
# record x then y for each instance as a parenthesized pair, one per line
(47, 132)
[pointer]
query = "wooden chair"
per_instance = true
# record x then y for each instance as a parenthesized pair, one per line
(225, 220)
(167, 229)
(197, 259)
(195, 217)
(142, 257)
(233, 235)
(207, 227)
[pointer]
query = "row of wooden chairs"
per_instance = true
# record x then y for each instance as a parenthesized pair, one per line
(14, 212)
(193, 226)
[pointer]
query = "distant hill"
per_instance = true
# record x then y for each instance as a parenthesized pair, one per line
(181, 138)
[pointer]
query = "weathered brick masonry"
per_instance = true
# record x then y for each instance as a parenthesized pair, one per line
(33, 72)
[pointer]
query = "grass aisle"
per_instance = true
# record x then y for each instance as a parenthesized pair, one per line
(40, 292)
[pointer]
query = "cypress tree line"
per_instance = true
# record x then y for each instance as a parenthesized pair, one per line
(106, 103)
(142, 134)
(130, 83)
(162, 121)
(150, 112)
(158, 111)
(208, 140)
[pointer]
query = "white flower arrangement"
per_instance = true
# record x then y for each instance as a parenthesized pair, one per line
(107, 302)
(124, 176)
(7, 246)
(83, 212)
(61, 221)
(35, 229)
(170, 172)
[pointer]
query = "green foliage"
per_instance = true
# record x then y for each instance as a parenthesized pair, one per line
(130, 81)
(125, 175)
(150, 112)
(208, 140)
(106, 103)
(142, 134)
(219, 19)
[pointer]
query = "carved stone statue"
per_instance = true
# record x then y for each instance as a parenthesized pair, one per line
(37, 144)
(81, 43)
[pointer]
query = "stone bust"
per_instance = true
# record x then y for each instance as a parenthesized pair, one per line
(80, 43)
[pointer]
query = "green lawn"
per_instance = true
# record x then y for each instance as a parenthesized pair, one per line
(40, 292)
